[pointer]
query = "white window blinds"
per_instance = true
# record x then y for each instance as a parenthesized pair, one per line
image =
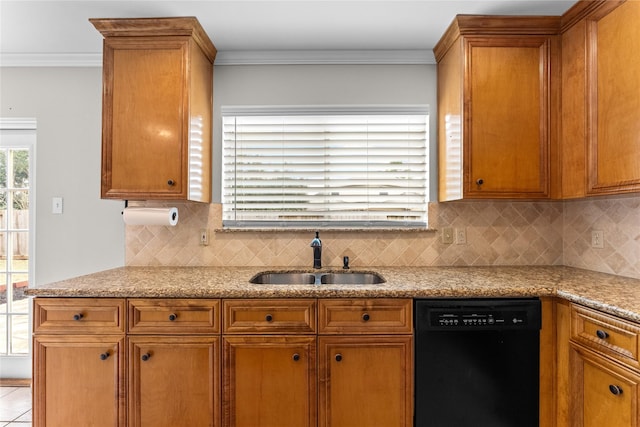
(314, 169)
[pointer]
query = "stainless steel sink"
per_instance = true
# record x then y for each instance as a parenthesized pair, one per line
(355, 278)
(285, 278)
(328, 278)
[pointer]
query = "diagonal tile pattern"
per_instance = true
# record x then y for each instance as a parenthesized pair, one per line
(498, 233)
(619, 219)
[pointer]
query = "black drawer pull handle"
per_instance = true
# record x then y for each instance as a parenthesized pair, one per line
(104, 356)
(615, 390)
(296, 357)
(171, 182)
(603, 335)
(78, 316)
(268, 318)
(338, 357)
(479, 181)
(145, 357)
(173, 317)
(366, 317)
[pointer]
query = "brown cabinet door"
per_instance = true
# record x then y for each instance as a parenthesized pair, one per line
(497, 105)
(604, 393)
(365, 381)
(144, 129)
(269, 381)
(614, 99)
(78, 381)
(507, 123)
(174, 381)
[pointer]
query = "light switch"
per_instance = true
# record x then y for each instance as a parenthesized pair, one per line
(57, 206)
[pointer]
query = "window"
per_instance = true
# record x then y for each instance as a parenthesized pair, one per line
(309, 167)
(17, 167)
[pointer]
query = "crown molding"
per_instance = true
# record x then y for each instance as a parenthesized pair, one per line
(50, 60)
(248, 57)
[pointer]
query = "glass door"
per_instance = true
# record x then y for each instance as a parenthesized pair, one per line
(17, 148)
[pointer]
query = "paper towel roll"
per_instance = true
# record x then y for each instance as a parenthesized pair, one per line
(150, 216)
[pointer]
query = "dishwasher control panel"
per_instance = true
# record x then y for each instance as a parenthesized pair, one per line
(475, 319)
(499, 314)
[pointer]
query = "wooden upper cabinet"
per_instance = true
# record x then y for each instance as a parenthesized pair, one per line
(496, 130)
(157, 109)
(601, 98)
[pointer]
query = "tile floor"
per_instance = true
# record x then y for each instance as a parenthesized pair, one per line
(15, 406)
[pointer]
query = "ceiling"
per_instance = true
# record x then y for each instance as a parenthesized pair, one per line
(53, 32)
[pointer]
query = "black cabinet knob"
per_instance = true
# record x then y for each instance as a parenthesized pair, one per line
(338, 357)
(603, 335)
(104, 356)
(479, 181)
(268, 317)
(171, 182)
(615, 390)
(145, 357)
(78, 316)
(173, 316)
(296, 357)
(366, 317)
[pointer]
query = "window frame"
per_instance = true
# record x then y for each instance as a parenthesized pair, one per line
(330, 110)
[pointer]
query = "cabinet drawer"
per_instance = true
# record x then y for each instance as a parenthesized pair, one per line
(365, 316)
(269, 316)
(78, 315)
(170, 316)
(606, 334)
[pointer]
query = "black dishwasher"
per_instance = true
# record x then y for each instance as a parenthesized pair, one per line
(477, 362)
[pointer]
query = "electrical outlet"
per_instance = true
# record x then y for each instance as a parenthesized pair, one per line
(461, 236)
(597, 239)
(447, 235)
(204, 237)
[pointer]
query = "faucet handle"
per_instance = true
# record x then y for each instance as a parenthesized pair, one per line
(316, 242)
(345, 262)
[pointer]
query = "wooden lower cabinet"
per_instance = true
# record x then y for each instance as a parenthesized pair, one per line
(275, 364)
(78, 362)
(78, 381)
(603, 393)
(602, 371)
(269, 381)
(365, 381)
(174, 381)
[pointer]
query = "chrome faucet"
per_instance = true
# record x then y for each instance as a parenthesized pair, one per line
(316, 244)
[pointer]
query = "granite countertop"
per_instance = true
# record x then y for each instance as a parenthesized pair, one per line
(613, 294)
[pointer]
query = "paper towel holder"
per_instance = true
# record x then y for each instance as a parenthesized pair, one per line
(126, 205)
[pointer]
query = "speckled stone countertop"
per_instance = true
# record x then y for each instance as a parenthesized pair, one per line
(613, 294)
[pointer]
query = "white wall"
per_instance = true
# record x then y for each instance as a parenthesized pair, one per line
(66, 102)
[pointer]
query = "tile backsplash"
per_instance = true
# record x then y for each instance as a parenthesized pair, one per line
(619, 219)
(497, 233)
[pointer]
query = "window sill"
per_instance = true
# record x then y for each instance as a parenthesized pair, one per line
(328, 229)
